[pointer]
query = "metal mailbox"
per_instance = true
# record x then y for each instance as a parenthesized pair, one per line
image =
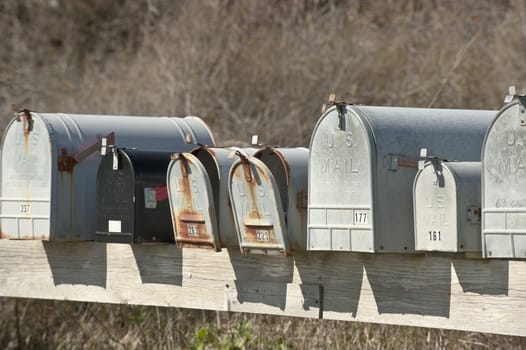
(268, 193)
(362, 165)
(49, 167)
(132, 198)
(504, 182)
(446, 199)
(199, 200)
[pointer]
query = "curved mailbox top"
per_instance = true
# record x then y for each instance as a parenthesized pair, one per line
(362, 165)
(257, 207)
(49, 167)
(289, 166)
(447, 207)
(504, 183)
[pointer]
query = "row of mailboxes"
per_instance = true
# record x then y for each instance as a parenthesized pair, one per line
(49, 167)
(366, 192)
(247, 198)
(363, 162)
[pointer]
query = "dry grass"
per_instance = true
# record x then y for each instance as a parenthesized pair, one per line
(39, 324)
(247, 67)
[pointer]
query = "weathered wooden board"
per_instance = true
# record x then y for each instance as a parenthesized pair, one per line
(419, 290)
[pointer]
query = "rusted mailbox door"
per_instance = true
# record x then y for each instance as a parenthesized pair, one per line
(132, 200)
(363, 161)
(504, 183)
(257, 206)
(192, 203)
(207, 169)
(447, 207)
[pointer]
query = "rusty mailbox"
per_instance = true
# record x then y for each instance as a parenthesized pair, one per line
(50, 161)
(504, 182)
(269, 196)
(132, 198)
(199, 200)
(446, 200)
(363, 161)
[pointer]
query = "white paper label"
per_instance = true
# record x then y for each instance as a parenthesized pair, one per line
(114, 226)
(150, 200)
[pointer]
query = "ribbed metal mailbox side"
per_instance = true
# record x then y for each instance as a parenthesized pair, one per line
(289, 166)
(446, 199)
(504, 183)
(49, 167)
(362, 165)
(257, 207)
(132, 199)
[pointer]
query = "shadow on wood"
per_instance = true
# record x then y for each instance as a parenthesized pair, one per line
(83, 263)
(404, 284)
(159, 263)
(340, 275)
(251, 268)
(483, 276)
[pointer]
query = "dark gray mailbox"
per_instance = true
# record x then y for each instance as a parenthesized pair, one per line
(504, 182)
(132, 198)
(199, 200)
(268, 193)
(447, 207)
(363, 161)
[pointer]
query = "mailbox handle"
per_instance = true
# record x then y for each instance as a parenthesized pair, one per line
(246, 165)
(28, 119)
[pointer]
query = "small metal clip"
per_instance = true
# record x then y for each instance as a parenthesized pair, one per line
(512, 92)
(115, 159)
(423, 158)
(103, 146)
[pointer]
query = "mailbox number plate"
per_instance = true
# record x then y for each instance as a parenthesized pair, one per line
(434, 235)
(262, 235)
(360, 217)
(25, 209)
(192, 230)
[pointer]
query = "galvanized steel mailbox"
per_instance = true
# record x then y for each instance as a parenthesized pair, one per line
(362, 165)
(268, 193)
(504, 183)
(132, 198)
(49, 167)
(199, 200)
(446, 199)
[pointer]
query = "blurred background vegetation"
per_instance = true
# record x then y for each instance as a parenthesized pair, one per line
(246, 67)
